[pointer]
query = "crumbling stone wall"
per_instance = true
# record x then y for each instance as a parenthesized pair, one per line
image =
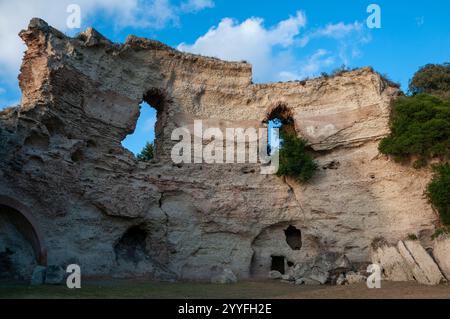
(61, 156)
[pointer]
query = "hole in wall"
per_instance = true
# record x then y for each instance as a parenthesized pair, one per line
(293, 237)
(278, 264)
(144, 132)
(331, 165)
(279, 118)
(132, 245)
(77, 156)
(149, 127)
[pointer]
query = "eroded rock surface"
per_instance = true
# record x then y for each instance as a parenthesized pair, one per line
(61, 156)
(407, 261)
(441, 253)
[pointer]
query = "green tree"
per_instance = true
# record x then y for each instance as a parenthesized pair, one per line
(438, 192)
(295, 161)
(432, 79)
(147, 153)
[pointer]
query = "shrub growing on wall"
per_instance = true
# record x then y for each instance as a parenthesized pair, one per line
(438, 192)
(420, 126)
(295, 161)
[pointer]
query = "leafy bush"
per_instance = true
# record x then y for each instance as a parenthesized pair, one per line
(433, 79)
(147, 153)
(420, 126)
(295, 161)
(438, 192)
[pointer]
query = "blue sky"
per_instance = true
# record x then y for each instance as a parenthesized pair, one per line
(283, 39)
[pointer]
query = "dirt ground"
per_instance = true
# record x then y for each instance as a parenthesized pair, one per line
(241, 290)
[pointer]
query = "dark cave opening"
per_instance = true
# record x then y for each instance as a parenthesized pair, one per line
(293, 237)
(278, 264)
(132, 245)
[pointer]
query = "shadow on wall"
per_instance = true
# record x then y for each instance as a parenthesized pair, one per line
(20, 248)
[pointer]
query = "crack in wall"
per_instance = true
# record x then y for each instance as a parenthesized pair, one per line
(294, 196)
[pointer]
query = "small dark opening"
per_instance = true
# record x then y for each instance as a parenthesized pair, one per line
(77, 155)
(293, 237)
(277, 264)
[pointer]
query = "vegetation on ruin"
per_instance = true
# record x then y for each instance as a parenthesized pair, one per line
(147, 153)
(420, 129)
(295, 160)
(438, 192)
(440, 232)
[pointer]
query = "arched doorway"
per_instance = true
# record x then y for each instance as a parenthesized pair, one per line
(21, 242)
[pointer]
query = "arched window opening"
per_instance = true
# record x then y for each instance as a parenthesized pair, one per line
(145, 142)
(278, 118)
(144, 132)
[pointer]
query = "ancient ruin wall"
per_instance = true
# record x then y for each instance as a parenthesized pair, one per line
(61, 156)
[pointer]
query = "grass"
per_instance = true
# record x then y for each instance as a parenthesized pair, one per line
(141, 289)
(152, 290)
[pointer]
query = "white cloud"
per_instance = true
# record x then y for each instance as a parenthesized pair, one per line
(313, 64)
(316, 61)
(196, 5)
(337, 31)
(420, 21)
(15, 15)
(149, 124)
(274, 52)
(250, 41)
(349, 36)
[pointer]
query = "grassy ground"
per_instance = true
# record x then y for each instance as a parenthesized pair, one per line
(244, 290)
